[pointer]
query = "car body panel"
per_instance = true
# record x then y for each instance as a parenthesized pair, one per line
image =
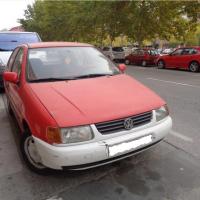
(75, 102)
(4, 56)
(87, 155)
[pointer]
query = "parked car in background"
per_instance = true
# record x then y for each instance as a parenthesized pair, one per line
(127, 50)
(54, 90)
(142, 57)
(182, 58)
(10, 40)
(114, 53)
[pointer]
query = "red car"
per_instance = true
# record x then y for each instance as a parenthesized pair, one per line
(182, 58)
(142, 57)
(77, 110)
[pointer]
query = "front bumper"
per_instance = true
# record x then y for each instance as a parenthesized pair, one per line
(92, 154)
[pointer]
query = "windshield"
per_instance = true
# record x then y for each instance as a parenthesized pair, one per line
(9, 41)
(119, 49)
(68, 63)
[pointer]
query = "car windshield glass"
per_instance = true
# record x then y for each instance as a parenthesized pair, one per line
(65, 63)
(119, 49)
(153, 52)
(9, 41)
(166, 51)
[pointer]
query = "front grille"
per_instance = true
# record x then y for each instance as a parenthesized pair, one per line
(118, 125)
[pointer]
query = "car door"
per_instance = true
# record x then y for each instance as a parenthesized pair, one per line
(184, 58)
(174, 59)
(140, 57)
(13, 90)
(133, 56)
(9, 65)
(153, 55)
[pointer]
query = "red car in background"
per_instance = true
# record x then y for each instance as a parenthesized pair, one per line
(142, 57)
(182, 58)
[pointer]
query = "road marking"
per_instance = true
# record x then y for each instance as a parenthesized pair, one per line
(172, 82)
(181, 136)
(55, 198)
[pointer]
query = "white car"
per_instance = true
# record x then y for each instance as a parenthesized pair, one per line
(9, 40)
(114, 53)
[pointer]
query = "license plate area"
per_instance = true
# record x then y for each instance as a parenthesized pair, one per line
(128, 146)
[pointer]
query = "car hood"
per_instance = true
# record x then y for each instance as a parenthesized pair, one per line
(92, 100)
(4, 56)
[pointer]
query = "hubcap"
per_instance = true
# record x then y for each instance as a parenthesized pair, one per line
(193, 67)
(32, 153)
(127, 62)
(144, 63)
(160, 64)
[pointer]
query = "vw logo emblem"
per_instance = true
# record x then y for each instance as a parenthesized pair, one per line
(128, 123)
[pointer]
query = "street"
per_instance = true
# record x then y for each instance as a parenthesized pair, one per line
(168, 171)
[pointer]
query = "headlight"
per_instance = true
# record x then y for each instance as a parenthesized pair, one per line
(161, 113)
(76, 134)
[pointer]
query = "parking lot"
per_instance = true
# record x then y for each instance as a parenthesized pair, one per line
(169, 171)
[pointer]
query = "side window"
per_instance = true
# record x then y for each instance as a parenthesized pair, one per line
(178, 52)
(18, 62)
(186, 52)
(193, 51)
(12, 58)
(134, 52)
(141, 52)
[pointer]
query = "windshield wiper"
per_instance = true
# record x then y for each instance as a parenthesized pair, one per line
(91, 75)
(50, 79)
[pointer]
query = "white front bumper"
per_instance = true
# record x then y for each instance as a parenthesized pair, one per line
(57, 157)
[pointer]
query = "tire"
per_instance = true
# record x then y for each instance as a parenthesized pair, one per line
(161, 64)
(2, 90)
(127, 62)
(31, 156)
(144, 63)
(194, 66)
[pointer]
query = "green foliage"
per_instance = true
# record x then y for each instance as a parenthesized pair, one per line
(99, 21)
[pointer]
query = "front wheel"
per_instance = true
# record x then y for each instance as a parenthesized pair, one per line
(127, 62)
(161, 64)
(144, 63)
(194, 66)
(31, 155)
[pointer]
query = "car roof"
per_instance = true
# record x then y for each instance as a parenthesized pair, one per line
(56, 44)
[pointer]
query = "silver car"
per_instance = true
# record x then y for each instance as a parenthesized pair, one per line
(116, 54)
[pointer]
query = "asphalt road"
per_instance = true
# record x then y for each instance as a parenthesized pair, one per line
(169, 171)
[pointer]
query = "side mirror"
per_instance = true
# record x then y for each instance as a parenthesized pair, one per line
(11, 77)
(122, 67)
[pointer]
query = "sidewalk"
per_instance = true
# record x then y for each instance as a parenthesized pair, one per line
(10, 161)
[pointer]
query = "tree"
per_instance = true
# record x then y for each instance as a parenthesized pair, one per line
(94, 21)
